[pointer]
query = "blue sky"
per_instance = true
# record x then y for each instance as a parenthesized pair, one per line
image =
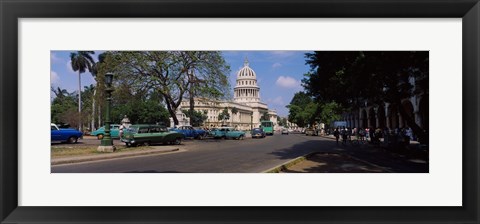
(279, 73)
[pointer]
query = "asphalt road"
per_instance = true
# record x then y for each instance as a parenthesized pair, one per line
(242, 156)
(212, 156)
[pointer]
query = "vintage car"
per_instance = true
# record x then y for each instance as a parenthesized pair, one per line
(190, 132)
(258, 133)
(311, 131)
(228, 132)
(64, 135)
(146, 134)
(284, 131)
(100, 132)
(211, 132)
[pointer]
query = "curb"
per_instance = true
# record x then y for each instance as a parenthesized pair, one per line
(109, 156)
(300, 159)
(288, 164)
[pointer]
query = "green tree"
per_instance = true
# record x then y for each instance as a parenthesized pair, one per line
(224, 115)
(99, 80)
(81, 61)
(147, 111)
(206, 72)
(62, 102)
(303, 110)
(196, 117)
(329, 112)
(265, 117)
(173, 74)
(63, 107)
(87, 92)
(283, 122)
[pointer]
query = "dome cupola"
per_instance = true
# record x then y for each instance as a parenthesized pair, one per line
(246, 72)
(246, 89)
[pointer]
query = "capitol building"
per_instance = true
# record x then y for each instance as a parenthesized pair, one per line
(246, 100)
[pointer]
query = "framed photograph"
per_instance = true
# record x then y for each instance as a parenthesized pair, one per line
(239, 112)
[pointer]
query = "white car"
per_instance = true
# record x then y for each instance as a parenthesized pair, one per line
(284, 131)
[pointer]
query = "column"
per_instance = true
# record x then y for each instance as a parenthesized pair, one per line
(400, 121)
(369, 120)
(387, 116)
(418, 119)
(360, 118)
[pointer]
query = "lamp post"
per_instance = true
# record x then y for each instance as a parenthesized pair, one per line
(107, 142)
(251, 121)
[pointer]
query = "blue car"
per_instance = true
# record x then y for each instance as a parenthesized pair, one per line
(64, 135)
(190, 132)
(258, 133)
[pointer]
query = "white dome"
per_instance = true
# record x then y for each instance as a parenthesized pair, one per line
(246, 72)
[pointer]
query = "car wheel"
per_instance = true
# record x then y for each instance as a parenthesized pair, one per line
(200, 137)
(146, 143)
(100, 136)
(127, 144)
(241, 137)
(72, 140)
(178, 141)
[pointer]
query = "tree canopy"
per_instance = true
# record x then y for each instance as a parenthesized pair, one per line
(355, 79)
(173, 74)
(302, 110)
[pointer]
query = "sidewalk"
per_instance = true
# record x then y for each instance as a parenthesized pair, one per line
(413, 150)
(114, 155)
(359, 159)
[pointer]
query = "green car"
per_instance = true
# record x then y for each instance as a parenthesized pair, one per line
(100, 132)
(145, 134)
(228, 132)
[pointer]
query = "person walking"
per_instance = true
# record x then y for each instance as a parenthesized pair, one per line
(336, 134)
(344, 136)
(125, 122)
(120, 131)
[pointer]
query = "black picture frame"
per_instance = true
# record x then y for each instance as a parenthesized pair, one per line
(11, 11)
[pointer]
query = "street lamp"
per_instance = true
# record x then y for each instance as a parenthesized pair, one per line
(251, 121)
(107, 142)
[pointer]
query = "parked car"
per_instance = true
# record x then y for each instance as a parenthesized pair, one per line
(64, 135)
(311, 131)
(284, 131)
(211, 132)
(146, 134)
(190, 132)
(258, 133)
(228, 132)
(100, 132)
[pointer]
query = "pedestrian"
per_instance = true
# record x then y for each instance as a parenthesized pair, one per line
(120, 131)
(344, 136)
(336, 134)
(371, 134)
(125, 122)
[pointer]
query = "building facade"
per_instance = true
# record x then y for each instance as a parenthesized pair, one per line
(246, 100)
(386, 116)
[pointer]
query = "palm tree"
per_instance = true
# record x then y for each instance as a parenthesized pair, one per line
(81, 61)
(94, 71)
